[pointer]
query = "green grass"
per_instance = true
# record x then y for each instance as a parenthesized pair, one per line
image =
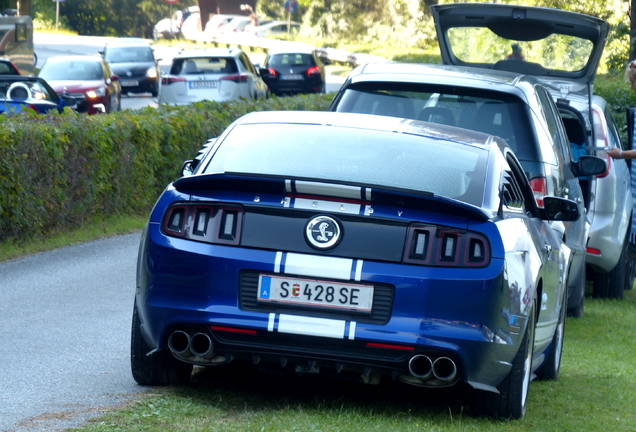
(594, 393)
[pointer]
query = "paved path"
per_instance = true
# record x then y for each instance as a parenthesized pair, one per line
(65, 334)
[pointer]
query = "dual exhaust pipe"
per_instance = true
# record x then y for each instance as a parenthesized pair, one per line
(441, 371)
(191, 347)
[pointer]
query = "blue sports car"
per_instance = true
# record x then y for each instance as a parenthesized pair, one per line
(358, 246)
(19, 93)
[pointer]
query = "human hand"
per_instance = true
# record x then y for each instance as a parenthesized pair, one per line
(615, 153)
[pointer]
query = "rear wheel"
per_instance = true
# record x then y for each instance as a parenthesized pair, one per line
(512, 399)
(550, 369)
(612, 284)
(160, 368)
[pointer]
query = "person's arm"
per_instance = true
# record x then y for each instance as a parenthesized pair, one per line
(617, 153)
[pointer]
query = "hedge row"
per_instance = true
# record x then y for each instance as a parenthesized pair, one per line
(57, 171)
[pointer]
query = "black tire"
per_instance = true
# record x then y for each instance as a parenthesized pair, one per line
(158, 369)
(549, 371)
(611, 285)
(512, 400)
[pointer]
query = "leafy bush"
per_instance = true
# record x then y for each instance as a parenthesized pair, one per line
(58, 171)
(618, 94)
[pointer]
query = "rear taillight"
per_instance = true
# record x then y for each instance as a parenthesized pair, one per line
(446, 247)
(204, 222)
(170, 79)
(237, 78)
(313, 71)
(272, 72)
(539, 189)
(600, 138)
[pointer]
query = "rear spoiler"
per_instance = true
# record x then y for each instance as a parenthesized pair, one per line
(371, 195)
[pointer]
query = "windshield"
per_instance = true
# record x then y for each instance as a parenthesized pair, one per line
(369, 157)
(129, 55)
(479, 45)
(21, 90)
(84, 70)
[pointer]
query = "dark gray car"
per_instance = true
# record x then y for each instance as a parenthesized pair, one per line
(562, 49)
(515, 107)
(133, 60)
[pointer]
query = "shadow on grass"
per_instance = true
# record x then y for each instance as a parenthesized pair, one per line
(235, 386)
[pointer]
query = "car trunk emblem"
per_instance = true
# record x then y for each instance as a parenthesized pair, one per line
(322, 232)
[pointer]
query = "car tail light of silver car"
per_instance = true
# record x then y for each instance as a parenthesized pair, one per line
(169, 79)
(432, 245)
(237, 78)
(600, 139)
(539, 189)
(203, 222)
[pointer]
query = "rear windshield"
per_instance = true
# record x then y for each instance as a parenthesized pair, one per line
(278, 60)
(363, 157)
(204, 65)
(493, 113)
(129, 55)
(557, 52)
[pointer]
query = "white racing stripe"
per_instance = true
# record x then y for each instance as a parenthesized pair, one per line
(316, 188)
(310, 326)
(319, 266)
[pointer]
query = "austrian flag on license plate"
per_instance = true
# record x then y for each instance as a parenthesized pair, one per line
(308, 292)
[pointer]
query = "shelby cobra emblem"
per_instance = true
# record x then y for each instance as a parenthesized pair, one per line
(322, 232)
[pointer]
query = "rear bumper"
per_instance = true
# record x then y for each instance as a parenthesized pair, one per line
(190, 287)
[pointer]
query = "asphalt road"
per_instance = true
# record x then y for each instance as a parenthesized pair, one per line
(65, 334)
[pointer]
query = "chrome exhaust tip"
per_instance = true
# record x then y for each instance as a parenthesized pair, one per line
(421, 366)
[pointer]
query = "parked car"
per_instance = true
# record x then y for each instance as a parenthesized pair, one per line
(170, 28)
(275, 28)
(20, 93)
(567, 70)
(291, 71)
(86, 78)
(211, 74)
(216, 24)
(515, 107)
(134, 62)
(358, 246)
(7, 67)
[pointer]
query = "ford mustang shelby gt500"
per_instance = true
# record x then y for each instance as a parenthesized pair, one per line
(355, 245)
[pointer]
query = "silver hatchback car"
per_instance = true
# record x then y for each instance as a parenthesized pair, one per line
(562, 50)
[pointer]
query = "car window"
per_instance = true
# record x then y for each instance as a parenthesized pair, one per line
(553, 122)
(278, 60)
(349, 155)
(26, 90)
(203, 65)
(613, 138)
(6, 69)
(72, 70)
(489, 112)
(247, 64)
(129, 55)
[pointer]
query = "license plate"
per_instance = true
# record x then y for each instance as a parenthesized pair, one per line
(291, 77)
(129, 83)
(309, 292)
(203, 84)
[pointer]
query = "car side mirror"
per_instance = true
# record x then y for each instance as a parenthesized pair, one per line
(560, 209)
(187, 169)
(590, 166)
